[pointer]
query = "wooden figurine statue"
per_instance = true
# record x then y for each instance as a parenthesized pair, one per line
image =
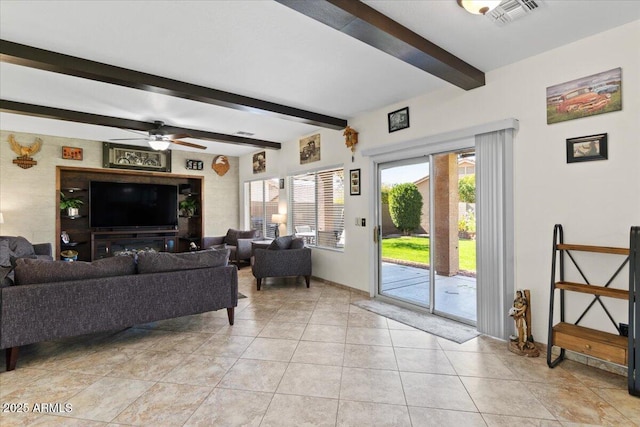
(523, 344)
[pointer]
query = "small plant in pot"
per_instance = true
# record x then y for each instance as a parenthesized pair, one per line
(70, 204)
(189, 206)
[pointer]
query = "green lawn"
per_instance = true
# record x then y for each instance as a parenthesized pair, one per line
(416, 249)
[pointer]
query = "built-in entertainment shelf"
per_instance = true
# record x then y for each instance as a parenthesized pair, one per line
(97, 243)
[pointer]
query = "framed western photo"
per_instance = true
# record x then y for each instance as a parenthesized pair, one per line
(587, 148)
(260, 162)
(587, 96)
(398, 119)
(118, 156)
(72, 153)
(354, 182)
(310, 149)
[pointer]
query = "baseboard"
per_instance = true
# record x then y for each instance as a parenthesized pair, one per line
(340, 285)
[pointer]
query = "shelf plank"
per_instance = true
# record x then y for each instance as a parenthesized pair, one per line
(593, 290)
(598, 249)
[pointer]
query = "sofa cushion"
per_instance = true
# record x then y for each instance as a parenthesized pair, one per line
(165, 261)
(232, 237)
(5, 253)
(297, 243)
(20, 247)
(29, 271)
(281, 243)
(6, 276)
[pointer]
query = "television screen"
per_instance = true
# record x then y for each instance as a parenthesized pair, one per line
(132, 205)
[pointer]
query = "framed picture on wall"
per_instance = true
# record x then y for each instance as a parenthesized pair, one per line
(398, 119)
(72, 153)
(587, 148)
(354, 182)
(118, 156)
(260, 162)
(310, 149)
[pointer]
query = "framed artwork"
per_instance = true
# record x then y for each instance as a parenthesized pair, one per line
(354, 182)
(72, 153)
(260, 162)
(118, 156)
(196, 165)
(587, 96)
(281, 184)
(310, 149)
(398, 119)
(587, 148)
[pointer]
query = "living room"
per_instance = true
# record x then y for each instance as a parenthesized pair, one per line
(597, 202)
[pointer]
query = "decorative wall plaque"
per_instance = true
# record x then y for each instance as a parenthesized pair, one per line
(220, 165)
(196, 165)
(24, 152)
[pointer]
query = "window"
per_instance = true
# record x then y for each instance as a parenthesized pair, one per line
(317, 207)
(263, 202)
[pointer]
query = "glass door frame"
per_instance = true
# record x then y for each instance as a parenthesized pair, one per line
(431, 305)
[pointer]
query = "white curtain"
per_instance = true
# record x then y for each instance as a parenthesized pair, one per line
(495, 232)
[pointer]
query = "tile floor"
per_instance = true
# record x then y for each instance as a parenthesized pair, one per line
(295, 357)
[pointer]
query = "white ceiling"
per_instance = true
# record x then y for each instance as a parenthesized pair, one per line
(259, 49)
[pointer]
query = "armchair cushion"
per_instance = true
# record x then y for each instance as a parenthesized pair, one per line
(280, 243)
(296, 243)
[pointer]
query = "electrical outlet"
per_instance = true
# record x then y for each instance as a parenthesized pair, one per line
(624, 329)
(364, 222)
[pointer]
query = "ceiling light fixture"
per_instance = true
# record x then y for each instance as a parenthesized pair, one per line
(159, 144)
(478, 7)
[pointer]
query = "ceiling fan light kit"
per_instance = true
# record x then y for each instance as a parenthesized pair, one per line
(159, 144)
(478, 7)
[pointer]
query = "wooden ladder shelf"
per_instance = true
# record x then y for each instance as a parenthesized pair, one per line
(614, 348)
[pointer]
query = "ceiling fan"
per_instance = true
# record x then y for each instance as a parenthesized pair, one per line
(159, 139)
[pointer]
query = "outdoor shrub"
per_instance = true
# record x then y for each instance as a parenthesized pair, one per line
(468, 222)
(467, 189)
(405, 207)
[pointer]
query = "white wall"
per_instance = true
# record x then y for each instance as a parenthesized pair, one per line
(597, 202)
(28, 196)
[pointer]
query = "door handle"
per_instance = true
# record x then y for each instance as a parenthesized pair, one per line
(376, 231)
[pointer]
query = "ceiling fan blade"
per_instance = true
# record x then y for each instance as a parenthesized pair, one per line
(179, 136)
(189, 144)
(129, 139)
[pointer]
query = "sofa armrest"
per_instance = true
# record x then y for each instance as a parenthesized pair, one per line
(243, 250)
(43, 249)
(207, 242)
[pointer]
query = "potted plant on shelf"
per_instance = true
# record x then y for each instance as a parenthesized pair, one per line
(71, 204)
(189, 206)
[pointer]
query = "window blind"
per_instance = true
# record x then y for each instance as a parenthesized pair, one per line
(317, 207)
(264, 198)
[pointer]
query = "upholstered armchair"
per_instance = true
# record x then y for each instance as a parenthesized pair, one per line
(286, 256)
(238, 241)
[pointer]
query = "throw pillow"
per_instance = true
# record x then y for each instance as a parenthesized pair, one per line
(21, 247)
(5, 253)
(165, 261)
(5, 276)
(30, 271)
(281, 243)
(232, 237)
(297, 243)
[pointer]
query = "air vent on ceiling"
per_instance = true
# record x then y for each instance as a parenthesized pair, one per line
(243, 133)
(510, 10)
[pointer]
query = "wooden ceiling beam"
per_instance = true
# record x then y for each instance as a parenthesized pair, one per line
(28, 56)
(14, 107)
(366, 24)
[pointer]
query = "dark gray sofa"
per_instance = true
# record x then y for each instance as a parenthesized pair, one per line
(56, 299)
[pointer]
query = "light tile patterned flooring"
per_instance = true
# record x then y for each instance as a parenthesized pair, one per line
(299, 356)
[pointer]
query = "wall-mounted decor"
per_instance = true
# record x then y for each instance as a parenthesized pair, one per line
(195, 165)
(354, 182)
(117, 156)
(310, 149)
(587, 148)
(398, 119)
(220, 165)
(281, 183)
(586, 96)
(350, 139)
(24, 152)
(72, 153)
(260, 162)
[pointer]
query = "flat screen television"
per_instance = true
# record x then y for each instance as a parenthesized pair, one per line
(118, 205)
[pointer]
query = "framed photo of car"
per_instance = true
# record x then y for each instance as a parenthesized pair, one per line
(587, 96)
(587, 148)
